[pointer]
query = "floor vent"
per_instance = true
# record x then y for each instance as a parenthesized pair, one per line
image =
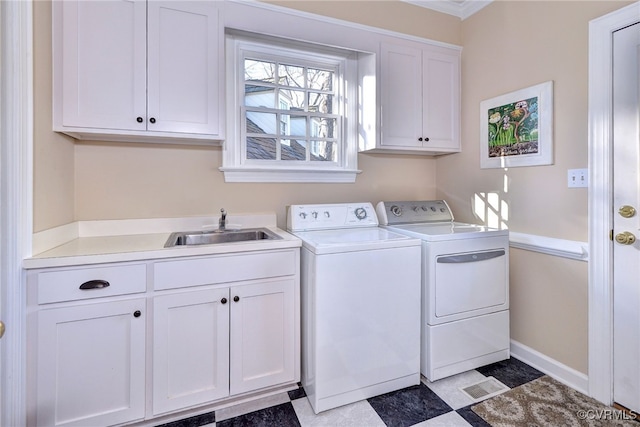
(486, 388)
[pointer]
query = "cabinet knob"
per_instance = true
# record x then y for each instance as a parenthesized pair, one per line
(420, 139)
(223, 300)
(139, 120)
(236, 298)
(426, 139)
(152, 120)
(137, 313)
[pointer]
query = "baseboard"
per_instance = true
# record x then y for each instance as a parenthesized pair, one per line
(563, 373)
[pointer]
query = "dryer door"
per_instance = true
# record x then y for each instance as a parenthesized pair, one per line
(469, 283)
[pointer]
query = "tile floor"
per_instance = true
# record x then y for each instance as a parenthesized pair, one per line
(440, 403)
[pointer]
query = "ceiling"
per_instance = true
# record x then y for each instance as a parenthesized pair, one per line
(460, 8)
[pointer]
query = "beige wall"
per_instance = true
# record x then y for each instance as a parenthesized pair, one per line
(141, 181)
(53, 169)
(549, 300)
(510, 45)
(393, 15)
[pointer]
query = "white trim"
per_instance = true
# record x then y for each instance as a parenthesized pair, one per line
(561, 372)
(44, 240)
(244, 174)
(600, 199)
(462, 10)
(16, 128)
(551, 246)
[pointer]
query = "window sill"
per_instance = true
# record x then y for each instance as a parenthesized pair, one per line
(244, 174)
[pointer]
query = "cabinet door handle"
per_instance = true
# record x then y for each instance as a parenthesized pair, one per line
(223, 300)
(139, 120)
(236, 298)
(426, 139)
(95, 284)
(152, 120)
(137, 313)
(420, 139)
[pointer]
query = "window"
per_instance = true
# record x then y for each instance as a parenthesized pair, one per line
(292, 112)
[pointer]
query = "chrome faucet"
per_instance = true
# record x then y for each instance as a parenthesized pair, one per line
(222, 224)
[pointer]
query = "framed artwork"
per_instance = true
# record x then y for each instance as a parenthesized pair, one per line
(516, 129)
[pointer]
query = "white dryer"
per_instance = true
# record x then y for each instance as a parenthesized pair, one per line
(465, 286)
(360, 292)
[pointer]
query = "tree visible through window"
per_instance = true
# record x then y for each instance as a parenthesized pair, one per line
(290, 110)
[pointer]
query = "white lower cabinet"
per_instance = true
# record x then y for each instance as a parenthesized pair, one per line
(209, 344)
(119, 343)
(91, 364)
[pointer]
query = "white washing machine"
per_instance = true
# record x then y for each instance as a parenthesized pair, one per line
(465, 286)
(360, 292)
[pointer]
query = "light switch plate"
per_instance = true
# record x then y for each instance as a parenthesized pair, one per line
(578, 178)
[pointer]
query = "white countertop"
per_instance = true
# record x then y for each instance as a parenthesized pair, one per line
(89, 243)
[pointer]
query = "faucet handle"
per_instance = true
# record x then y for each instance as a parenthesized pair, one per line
(223, 213)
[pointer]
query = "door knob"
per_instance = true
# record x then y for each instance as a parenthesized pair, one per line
(625, 238)
(1, 329)
(627, 211)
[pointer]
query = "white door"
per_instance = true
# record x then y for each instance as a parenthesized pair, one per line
(190, 348)
(626, 223)
(91, 364)
(441, 101)
(262, 335)
(183, 68)
(103, 51)
(401, 71)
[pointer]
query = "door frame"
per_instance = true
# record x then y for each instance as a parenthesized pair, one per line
(601, 198)
(16, 194)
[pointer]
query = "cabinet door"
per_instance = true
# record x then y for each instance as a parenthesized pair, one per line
(184, 68)
(91, 364)
(99, 64)
(441, 101)
(401, 96)
(190, 348)
(262, 338)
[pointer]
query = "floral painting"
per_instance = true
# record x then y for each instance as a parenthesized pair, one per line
(516, 128)
(513, 128)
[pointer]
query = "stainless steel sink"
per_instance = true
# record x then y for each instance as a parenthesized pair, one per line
(191, 238)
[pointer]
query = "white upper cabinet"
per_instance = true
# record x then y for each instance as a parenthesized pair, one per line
(420, 99)
(137, 70)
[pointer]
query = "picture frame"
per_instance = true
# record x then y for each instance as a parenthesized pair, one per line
(516, 129)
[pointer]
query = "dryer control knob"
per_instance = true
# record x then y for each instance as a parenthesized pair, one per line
(396, 210)
(360, 213)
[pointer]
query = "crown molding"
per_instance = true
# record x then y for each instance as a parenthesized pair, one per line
(460, 8)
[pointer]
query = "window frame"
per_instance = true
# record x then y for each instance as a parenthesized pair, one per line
(236, 166)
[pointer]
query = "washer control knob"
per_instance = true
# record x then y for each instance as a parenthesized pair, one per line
(314, 215)
(360, 213)
(415, 209)
(396, 210)
(424, 208)
(327, 214)
(303, 215)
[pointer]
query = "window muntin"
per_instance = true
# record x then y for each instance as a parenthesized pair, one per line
(291, 109)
